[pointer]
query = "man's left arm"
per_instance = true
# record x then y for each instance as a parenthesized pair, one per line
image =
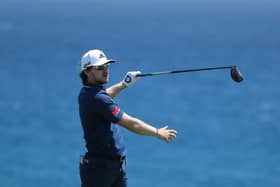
(114, 90)
(129, 79)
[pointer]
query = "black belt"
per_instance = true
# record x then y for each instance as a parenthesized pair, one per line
(88, 157)
(113, 158)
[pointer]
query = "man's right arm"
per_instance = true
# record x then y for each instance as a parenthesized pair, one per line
(140, 127)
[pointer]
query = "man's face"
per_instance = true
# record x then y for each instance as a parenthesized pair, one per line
(98, 74)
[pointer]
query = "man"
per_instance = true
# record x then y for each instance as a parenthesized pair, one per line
(104, 164)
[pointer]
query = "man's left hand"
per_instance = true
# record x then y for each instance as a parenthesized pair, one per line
(131, 77)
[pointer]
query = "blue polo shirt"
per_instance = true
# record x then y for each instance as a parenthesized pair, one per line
(99, 115)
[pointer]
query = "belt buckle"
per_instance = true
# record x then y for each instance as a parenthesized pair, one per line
(122, 158)
(83, 160)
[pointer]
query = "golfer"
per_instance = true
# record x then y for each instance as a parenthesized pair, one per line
(104, 163)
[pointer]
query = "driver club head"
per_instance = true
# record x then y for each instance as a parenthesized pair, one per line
(236, 74)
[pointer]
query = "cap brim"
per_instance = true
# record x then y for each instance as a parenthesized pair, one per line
(111, 61)
(101, 63)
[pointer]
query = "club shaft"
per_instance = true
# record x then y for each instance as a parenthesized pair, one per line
(182, 71)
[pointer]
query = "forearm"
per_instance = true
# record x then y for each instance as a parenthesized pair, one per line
(143, 128)
(137, 126)
(114, 90)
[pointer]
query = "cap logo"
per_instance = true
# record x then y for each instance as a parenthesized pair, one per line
(101, 55)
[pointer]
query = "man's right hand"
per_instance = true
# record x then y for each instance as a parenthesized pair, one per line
(166, 134)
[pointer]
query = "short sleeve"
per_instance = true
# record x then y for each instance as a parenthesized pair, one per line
(108, 108)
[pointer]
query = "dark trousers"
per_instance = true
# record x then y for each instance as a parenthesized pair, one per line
(101, 172)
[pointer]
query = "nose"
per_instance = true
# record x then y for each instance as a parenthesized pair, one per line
(106, 69)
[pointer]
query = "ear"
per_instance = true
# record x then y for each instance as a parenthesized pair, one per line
(87, 71)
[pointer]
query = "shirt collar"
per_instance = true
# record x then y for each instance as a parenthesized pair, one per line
(90, 85)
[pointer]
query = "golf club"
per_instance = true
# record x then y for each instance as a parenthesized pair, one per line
(234, 72)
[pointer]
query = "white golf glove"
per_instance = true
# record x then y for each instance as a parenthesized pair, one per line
(130, 78)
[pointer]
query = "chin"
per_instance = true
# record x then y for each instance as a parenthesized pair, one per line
(105, 81)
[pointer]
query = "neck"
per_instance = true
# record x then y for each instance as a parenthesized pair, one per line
(92, 82)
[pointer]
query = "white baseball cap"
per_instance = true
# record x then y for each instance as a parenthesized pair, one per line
(94, 57)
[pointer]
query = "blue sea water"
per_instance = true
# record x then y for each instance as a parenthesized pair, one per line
(228, 133)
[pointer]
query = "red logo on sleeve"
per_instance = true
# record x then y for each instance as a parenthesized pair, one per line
(116, 110)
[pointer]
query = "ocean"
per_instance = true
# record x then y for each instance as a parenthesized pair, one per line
(228, 133)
